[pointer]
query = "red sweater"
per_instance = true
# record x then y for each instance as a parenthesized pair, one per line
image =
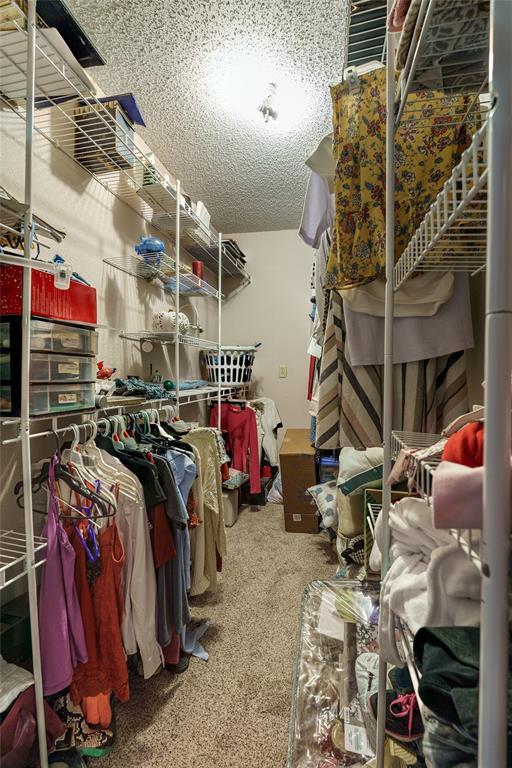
(240, 424)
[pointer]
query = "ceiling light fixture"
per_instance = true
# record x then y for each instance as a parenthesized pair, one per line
(268, 107)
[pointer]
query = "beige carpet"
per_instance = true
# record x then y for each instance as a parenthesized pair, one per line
(233, 710)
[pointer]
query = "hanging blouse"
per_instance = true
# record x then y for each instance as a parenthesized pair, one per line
(102, 605)
(61, 629)
(426, 150)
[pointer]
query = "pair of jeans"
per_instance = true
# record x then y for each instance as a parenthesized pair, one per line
(447, 746)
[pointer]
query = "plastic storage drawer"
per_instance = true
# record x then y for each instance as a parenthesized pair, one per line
(54, 337)
(61, 398)
(59, 368)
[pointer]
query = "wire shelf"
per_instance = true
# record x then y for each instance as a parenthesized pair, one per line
(13, 558)
(443, 58)
(151, 268)
(161, 337)
(160, 269)
(372, 513)
(453, 235)
(71, 117)
(191, 285)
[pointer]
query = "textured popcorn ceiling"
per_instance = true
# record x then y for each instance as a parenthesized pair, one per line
(199, 71)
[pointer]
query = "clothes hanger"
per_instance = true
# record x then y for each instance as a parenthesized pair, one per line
(70, 480)
(116, 474)
(154, 414)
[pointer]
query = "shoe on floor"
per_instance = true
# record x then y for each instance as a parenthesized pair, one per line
(403, 719)
(181, 666)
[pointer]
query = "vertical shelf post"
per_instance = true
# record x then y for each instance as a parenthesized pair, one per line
(177, 297)
(25, 400)
(219, 333)
(387, 420)
(494, 631)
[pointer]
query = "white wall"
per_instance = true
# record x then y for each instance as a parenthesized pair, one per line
(274, 310)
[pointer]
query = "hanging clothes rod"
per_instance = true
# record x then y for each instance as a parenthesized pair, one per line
(95, 417)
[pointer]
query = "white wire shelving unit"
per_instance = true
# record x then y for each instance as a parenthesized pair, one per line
(468, 228)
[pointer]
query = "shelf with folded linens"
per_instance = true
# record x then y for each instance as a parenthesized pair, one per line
(453, 233)
(74, 118)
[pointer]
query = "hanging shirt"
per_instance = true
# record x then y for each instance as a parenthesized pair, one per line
(172, 609)
(240, 424)
(139, 582)
(318, 211)
(270, 421)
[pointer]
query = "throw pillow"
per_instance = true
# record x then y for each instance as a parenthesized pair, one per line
(360, 469)
(324, 496)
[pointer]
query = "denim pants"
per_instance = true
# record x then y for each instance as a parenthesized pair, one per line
(447, 746)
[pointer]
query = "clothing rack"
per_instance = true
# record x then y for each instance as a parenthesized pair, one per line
(482, 184)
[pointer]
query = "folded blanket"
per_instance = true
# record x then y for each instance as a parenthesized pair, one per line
(453, 589)
(431, 581)
(457, 495)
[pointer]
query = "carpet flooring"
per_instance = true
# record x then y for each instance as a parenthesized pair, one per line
(233, 710)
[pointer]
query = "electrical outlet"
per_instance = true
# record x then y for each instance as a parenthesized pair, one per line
(283, 371)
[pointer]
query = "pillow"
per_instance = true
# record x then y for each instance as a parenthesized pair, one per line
(324, 496)
(350, 514)
(360, 469)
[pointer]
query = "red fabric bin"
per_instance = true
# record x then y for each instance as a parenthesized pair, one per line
(75, 305)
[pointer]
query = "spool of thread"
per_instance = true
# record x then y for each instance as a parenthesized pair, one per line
(198, 269)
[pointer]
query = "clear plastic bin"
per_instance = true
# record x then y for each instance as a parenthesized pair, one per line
(54, 337)
(58, 368)
(337, 654)
(60, 398)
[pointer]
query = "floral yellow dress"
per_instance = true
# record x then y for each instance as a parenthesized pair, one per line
(426, 151)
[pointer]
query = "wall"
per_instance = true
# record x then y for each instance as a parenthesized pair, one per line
(274, 310)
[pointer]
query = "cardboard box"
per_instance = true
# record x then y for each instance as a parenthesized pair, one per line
(298, 473)
(295, 522)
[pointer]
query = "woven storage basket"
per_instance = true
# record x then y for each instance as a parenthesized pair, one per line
(234, 367)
